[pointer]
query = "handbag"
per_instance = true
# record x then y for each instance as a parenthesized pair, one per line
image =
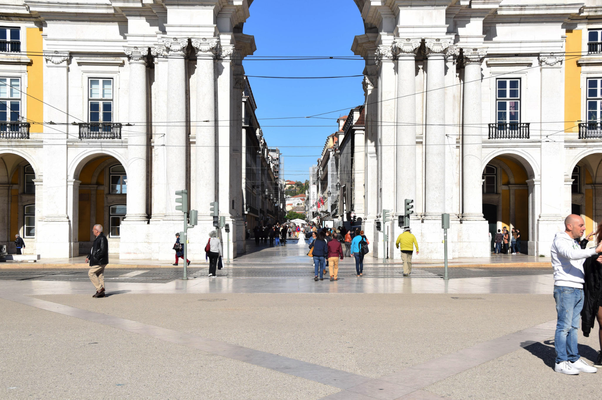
(220, 264)
(311, 252)
(208, 247)
(364, 247)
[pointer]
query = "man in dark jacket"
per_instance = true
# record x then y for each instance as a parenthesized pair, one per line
(19, 243)
(98, 259)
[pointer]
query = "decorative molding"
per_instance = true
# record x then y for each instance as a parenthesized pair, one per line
(136, 54)
(159, 50)
(57, 57)
(473, 55)
(206, 46)
(227, 52)
(437, 46)
(549, 60)
(407, 46)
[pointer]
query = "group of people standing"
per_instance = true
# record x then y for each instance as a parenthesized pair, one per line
(276, 234)
(505, 242)
(326, 249)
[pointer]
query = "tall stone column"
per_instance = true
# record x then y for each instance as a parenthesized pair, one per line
(176, 138)
(137, 135)
(205, 174)
(435, 128)
(406, 121)
(472, 142)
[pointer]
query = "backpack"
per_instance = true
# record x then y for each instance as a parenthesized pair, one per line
(364, 246)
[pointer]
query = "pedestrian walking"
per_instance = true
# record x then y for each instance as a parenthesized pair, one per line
(592, 294)
(517, 233)
(256, 234)
(506, 240)
(358, 245)
(320, 251)
(347, 244)
(406, 243)
(283, 233)
(19, 243)
(98, 259)
(335, 251)
(567, 261)
(179, 248)
(499, 238)
(213, 249)
(277, 235)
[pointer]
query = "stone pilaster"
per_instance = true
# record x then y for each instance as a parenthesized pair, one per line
(206, 141)
(472, 142)
(435, 127)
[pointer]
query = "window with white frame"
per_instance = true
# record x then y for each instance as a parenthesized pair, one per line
(594, 100)
(100, 103)
(508, 101)
(118, 178)
(10, 102)
(117, 214)
(10, 39)
(490, 179)
(576, 176)
(29, 221)
(29, 176)
(594, 41)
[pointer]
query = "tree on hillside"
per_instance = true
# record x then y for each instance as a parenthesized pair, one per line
(294, 215)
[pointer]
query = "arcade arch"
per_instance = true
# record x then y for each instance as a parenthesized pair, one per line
(586, 190)
(508, 197)
(18, 201)
(100, 197)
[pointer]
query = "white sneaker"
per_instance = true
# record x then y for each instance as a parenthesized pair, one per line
(582, 366)
(566, 367)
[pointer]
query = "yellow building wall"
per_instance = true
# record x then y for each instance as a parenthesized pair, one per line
(85, 204)
(572, 82)
(35, 79)
(521, 212)
(589, 210)
(506, 208)
(100, 206)
(14, 206)
(520, 175)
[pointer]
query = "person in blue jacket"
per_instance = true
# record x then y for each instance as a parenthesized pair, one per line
(320, 252)
(356, 251)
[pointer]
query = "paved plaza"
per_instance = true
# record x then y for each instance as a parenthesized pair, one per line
(263, 329)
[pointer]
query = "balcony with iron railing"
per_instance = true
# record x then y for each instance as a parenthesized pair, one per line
(100, 130)
(594, 47)
(14, 130)
(10, 46)
(509, 130)
(590, 130)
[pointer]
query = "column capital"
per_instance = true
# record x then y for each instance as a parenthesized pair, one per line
(206, 46)
(136, 54)
(473, 55)
(437, 46)
(57, 57)
(407, 46)
(550, 59)
(175, 46)
(384, 52)
(227, 52)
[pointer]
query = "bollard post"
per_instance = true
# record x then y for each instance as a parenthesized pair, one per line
(445, 226)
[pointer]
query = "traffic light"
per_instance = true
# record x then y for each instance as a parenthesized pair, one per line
(409, 207)
(378, 226)
(182, 198)
(194, 217)
(216, 221)
(214, 209)
(401, 221)
(386, 216)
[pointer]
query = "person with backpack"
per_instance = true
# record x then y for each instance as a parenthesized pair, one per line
(179, 248)
(359, 248)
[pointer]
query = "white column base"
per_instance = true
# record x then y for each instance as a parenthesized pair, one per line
(54, 238)
(547, 227)
(135, 242)
(473, 239)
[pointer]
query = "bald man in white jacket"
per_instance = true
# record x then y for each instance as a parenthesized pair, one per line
(567, 260)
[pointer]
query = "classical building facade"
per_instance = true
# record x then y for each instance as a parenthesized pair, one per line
(488, 110)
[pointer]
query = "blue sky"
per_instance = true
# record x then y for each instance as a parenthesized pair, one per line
(303, 28)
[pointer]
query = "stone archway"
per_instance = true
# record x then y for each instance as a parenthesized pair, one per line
(508, 190)
(585, 190)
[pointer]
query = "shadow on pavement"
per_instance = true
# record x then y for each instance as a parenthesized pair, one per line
(117, 292)
(546, 352)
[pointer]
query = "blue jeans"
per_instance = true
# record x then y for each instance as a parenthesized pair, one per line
(359, 263)
(498, 248)
(569, 303)
(319, 266)
(513, 246)
(277, 240)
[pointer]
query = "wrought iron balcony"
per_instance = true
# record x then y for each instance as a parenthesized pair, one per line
(511, 130)
(100, 130)
(12, 46)
(594, 48)
(14, 130)
(590, 130)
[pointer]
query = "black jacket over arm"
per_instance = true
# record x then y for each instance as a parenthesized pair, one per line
(592, 289)
(99, 255)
